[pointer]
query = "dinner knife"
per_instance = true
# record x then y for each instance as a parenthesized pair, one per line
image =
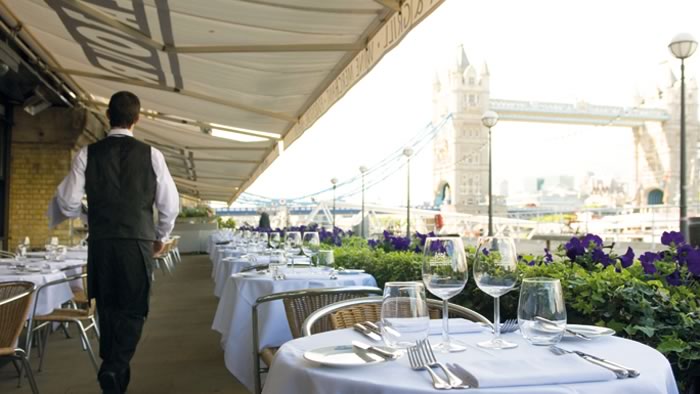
(378, 351)
(373, 327)
(631, 372)
(366, 332)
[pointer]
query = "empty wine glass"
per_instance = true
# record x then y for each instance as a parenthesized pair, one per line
(495, 272)
(445, 273)
(292, 244)
(275, 240)
(311, 244)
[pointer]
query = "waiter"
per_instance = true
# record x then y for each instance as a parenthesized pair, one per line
(123, 179)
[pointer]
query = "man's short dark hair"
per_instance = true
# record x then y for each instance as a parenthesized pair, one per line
(124, 108)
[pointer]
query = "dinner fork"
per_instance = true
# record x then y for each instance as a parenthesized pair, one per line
(416, 365)
(430, 360)
(509, 325)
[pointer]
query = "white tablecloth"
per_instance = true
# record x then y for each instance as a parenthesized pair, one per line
(292, 374)
(228, 266)
(219, 236)
(233, 317)
(51, 297)
(221, 252)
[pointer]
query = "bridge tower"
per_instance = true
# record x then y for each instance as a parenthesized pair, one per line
(657, 147)
(460, 150)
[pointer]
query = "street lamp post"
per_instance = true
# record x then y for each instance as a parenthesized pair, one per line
(363, 169)
(489, 119)
(334, 181)
(408, 152)
(682, 47)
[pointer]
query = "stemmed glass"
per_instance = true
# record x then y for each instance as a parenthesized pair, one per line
(445, 273)
(292, 244)
(275, 240)
(311, 244)
(495, 273)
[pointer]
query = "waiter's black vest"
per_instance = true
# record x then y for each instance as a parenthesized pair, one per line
(121, 187)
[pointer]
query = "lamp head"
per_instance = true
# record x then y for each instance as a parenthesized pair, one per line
(683, 46)
(489, 119)
(334, 181)
(363, 169)
(408, 152)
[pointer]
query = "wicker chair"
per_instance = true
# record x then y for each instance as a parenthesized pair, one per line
(345, 314)
(15, 299)
(82, 316)
(7, 255)
(298, 305)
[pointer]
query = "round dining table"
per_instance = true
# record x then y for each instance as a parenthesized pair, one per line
(233, 317)
(525, 369)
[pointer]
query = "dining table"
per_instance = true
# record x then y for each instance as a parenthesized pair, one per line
(233, 319)
(526, 369)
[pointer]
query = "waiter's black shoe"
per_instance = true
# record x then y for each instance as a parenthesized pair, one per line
(109, 383)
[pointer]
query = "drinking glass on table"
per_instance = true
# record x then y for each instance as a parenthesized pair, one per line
(275, 240)
(263, 240)
(495, 273)
(541, 311)
(445, 273)
(278, 264)
(292, 244)
(311, 245)
(404, 314)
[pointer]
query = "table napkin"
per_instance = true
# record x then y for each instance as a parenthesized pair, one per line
(533, 371)
(457, 326)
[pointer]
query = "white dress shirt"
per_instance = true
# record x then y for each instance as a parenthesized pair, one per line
(67, 201)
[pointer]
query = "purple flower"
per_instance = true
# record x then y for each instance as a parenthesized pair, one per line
(485, 252)
(592, 241)
(520, 257)
(574, 248)
(531, 263)
(600, 257)
(647, 259)
(693, 261)
(682, 253)
(372, 243)
(674, 279)
(672, 238)
(547, 256)
(627, 259)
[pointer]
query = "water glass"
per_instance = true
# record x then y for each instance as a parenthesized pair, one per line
(275, 240)
(404, 314)
(277, 265)
(326, 258)
(292, 244)
(541, 311)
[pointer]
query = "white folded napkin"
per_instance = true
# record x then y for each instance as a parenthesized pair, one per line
(534, 371)
(457, 326)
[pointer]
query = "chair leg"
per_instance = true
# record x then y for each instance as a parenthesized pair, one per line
(18, 368)
(30, 375)
(44, 341)
(95, 327)
(64, 328)
(86, 340)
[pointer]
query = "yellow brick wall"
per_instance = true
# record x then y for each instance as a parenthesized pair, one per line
(35, 171)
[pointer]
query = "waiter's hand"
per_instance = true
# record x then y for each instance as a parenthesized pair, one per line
(158, 247)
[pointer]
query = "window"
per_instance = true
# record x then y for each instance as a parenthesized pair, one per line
(472, 100)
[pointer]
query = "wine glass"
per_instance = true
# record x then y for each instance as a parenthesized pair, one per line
(311, 244)
(292, 244)
(263, 239)
(275, 240)
(445, 273)
(495, 273)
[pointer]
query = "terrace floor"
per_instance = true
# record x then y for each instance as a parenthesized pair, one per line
(178, 353)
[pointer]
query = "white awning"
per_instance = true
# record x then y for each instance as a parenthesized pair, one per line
(258, 71)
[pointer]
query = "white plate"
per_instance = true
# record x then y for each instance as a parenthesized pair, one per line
(350, 272)
(344, 356)
(591, 331)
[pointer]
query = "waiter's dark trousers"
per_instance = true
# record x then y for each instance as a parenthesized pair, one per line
(119, 279)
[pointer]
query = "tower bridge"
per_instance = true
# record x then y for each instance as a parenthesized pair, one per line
(460, 162)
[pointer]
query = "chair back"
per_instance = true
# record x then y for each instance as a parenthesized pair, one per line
(345, 314)
(15, 299)
(7, 255)
(300, 306)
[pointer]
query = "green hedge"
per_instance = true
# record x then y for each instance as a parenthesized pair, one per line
(637, 305)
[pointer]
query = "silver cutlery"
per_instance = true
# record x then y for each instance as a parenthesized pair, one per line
(416, 365)
(366, 332)
(631, 372)
(509, 325)
(373, 327)
(429, 359)
(621, 373)
(570, 331)
(378, 351)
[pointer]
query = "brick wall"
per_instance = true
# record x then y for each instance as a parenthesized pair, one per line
(35, 171)
(40, 157)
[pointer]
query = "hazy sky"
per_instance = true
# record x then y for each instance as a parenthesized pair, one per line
(597, 51)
